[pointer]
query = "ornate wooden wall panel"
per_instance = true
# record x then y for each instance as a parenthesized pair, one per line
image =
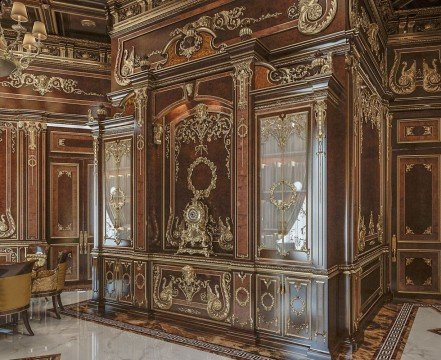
(297, 307)
(418, 208)
(64, 218)
(243, 305)
(9, 181)
(268, 304)
(418, 271)
(419, 131)
(71, 142)
(199, 169)
(194, 292)
(34, 140)
(140, 284)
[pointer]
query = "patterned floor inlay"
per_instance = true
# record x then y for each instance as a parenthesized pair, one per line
(394, 345)
(217, 344)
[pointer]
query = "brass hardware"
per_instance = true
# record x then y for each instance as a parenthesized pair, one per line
(85, 241)
(394, 248)
(282, 288)
(81, 242)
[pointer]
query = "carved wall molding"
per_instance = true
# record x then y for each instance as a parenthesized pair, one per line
(44, 84)
(311, 15)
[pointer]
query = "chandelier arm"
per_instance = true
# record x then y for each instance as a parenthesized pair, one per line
(27, 58)
(14, 44)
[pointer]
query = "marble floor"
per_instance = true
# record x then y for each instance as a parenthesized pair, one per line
(77, 339)
(423, 341)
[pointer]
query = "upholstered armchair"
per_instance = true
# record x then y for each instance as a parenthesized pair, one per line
(50, 283)
(15, 290)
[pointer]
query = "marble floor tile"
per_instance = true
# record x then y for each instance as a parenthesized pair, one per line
(423, 344)
(77, 339)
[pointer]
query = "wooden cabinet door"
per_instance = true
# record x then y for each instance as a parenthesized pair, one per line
(268, 303)
(416, 244)
(71, 216)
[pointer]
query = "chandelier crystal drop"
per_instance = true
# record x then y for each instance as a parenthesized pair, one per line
(16, 55)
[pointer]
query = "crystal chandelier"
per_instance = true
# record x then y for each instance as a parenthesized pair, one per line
(12, 58)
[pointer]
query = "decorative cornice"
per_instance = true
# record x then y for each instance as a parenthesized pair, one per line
(44, 84)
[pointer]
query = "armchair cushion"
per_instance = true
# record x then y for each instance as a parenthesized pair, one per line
(45, 281)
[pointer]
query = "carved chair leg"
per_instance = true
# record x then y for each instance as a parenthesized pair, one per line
(60, 304)
(26, 322)
(54, 302)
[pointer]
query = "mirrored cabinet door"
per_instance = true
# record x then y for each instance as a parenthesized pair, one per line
(118, 192)
(284, 143)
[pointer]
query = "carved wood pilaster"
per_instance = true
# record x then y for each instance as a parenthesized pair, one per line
(243, 76)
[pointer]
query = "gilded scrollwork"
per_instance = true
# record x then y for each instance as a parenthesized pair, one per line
(216, 296)
(407, 80)
(201, 128)
(124, 65)
(7, 225)
(118, 149)
(282, 127)
(312, 19)
(431, 76)
(362, 232)
(360, 20)
(320, 65)
(44, 84)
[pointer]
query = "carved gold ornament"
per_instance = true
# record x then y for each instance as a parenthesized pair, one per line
(244, 302)
(217, 297)
(124, 65)
(242, 81)
(282, 127)
(320, 65)
(312, 18)
(204, 193)
(118, 149)
(283, 204)
(431, 76)
(267, 306)
(117, 201)
(360, 20)
(406, 75)
(188, 40)
(13, 131)
(203, 128)
(361, 233)
(96, 143)
(194, 237)
(158, 131)
(44, 84)
(7, 225)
